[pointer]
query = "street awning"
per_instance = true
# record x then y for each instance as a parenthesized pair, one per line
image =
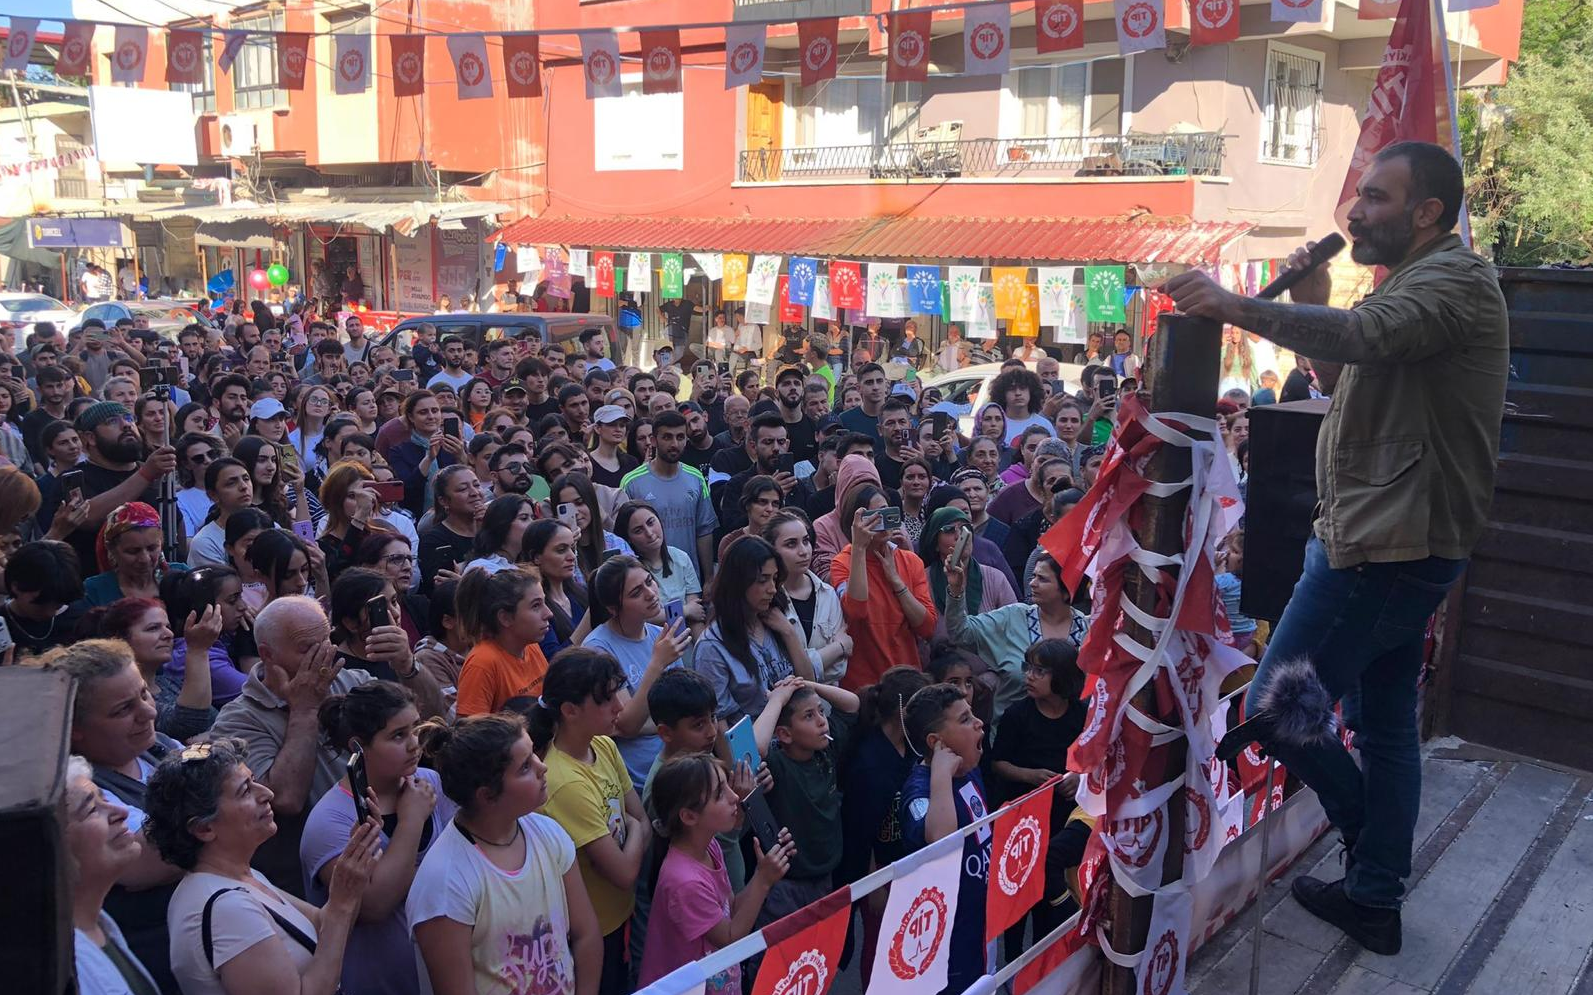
(402, 217)
(1123, 240)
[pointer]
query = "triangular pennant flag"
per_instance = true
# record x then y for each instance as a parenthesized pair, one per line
(130, 53)
(803, 272)
(472, 75)
(816, 46)
(77, 46)
(232, 42)
(923, 289)
(1103, 293)
(914, 948)
(671, 276)
(846, 284)
(908, 60)
(660, 61)
(19, 43)
(603, 264)
(1297, 11)
(804, 948)
(1213, 22)
(351, 54)
(293, 59)
(185, 56)
(744, 44)
(600, 61)
(1140, 25)
(986, 39)
(1021, 836)
(1058, 25)
(761, 279)
(409, 64)
(735, 277)
(522, 75)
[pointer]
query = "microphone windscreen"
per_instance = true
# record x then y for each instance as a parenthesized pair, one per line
(1297, 705)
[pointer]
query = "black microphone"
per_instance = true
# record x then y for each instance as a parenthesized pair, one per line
(1320, 253)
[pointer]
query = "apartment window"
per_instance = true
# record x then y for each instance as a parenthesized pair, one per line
(1045, 101)
(254, 74)
(852, 112)
(1293, 106)
(71, 181)
(639, 131)
(204, 92)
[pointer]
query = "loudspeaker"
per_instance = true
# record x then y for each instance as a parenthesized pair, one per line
(36, 914)
(1280, 501)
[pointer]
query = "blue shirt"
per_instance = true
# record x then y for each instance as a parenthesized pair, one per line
(968, 927)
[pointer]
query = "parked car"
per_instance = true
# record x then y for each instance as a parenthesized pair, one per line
(166, 317)
(20, 312)
(552, 327)
(969, 387)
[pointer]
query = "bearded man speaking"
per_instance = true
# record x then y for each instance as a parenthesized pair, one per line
(1405, 469)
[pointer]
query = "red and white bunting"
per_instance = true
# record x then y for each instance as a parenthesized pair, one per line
(816, 41)
(232, 43)
(185, 54)
(77, 45)
(660, 61)
(19, 43)
(1161, 968)
(522, 70)
(907, 57)
(293, 59)
(409, 64)
(600, 61)
(1058, 25)
(1213, 22)
(472, 76)
(744, 45)
(805, 948)
(130, 54)
(1297, 11)
(351, 62)
(986, 40)
(1020, 838)
(914, 948)
(1141, 25)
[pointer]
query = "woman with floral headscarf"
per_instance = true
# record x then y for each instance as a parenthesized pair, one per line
(130, 557)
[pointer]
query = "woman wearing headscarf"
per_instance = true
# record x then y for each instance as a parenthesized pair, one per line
(987, 587)
(830, 535)
(128, 550)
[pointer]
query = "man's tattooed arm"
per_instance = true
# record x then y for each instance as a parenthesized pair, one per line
(1312, 330)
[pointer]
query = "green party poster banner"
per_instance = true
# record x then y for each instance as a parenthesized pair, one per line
(673, 284)
(1103, 293)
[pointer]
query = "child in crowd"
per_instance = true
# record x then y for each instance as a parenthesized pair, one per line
(590, 794)
(1230, 585)
(692, 892)
(949, 664)
(498, 895)
(942, 794)
(803, 746)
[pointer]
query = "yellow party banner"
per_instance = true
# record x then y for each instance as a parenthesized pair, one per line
(735, 278)
(1009, 283)
(1026, 323)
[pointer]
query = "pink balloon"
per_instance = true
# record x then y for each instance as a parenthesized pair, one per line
(258, 279)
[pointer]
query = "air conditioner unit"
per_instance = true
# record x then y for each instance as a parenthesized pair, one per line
(238, 135)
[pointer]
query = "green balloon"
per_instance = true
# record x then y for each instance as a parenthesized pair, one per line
(277, 274)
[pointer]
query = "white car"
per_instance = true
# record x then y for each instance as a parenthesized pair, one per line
(969, 387)
(20, 312)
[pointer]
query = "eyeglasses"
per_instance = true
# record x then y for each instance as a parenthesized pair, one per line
(202, 457)
(949, 529)
(514, 467)
(397, 559)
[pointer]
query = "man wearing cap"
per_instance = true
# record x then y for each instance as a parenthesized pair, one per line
(114, 473)
(800, 429)
(516, 398)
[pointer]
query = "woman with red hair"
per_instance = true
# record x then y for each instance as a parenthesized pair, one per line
(183, 706)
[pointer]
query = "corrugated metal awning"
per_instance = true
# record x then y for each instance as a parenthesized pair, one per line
(402, 217)
(1124, 240)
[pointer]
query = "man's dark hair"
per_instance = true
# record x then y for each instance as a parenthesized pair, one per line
(637, 378)
(329, 347)
(588, 334)
(442, 606)
(867, 368)
(92, 323)
(895, 403)
(511, 449)
(597, 374)
(762, 422)
(680, 693)
(570, 392)
(53, 374)
(853, 440)
(532, 366)
(482, 441)
(1434, 173)
(448, 340)
(219, 385)
(48, 568)
(668, 419)
(496, 346)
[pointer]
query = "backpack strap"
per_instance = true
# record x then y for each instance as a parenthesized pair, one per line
(297, 934)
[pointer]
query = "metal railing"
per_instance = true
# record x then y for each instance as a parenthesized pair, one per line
(1195, 154)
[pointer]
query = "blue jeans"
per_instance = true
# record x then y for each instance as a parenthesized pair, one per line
(1363, 630)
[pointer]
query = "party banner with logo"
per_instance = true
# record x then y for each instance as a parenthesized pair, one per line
(580, 261)
(914, 948)
(962, 291)
(1297, 11)
(761, 279)
(823, 306)
(804, 271)
(846, 284)
(1020, 837)
(351, 62)
(757, 314)
(816, 48)
(790, 311)
(19, 44)
(77, 44)
(1213, 22)
(522, 76)
(1026, 323)
(711, 263)
(184, 55)
(600, 60)
(982, 313)
(1103, 293)
(908, 54)
(639, 273)
(881, 277)
(744, 45)
(1009, 283)
(1140, 25)
(804, 948)
(472, 77)
(1059, 25)
(671, 276)
(557, 271)
(409, 64)
(660, 61)
(1061, 304)
(986, 39)
(603, 270)
(923, 289)
(735, 277)
(293, 59)
(127, 58)
(1161, 968)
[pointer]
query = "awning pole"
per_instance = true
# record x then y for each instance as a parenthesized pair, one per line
(204, 275)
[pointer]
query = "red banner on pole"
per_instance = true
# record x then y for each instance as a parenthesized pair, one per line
(908, 60)
(1019, 840)
(409, 64)
(1058, 25)
(521, 72)
(816, 44)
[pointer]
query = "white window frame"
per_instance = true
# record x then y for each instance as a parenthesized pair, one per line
(258, 54)
(615, 120)
(1044, 148)
(1267, 152)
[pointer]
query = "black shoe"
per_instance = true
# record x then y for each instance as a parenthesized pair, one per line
(1378, 930)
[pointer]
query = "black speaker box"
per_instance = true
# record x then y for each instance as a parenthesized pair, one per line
(1280, 500)
(36, 913)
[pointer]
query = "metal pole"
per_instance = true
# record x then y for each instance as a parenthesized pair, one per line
(1257, 913)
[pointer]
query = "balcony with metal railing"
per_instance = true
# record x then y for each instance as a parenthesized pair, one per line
(1134, 156)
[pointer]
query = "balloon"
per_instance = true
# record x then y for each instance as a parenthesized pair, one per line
(258, 279)
(277, 274)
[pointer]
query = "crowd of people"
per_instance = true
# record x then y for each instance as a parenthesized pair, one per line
(408, 666)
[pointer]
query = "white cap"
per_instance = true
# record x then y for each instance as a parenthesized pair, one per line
(608, 414)
(267, 407)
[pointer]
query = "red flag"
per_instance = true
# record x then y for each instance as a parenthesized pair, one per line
(185, 56)
(909, 47)
(660, 61)
(77, 44)
(1403, 105)
(789, 312)
(816, 43)
(293, 59)
(1213, 22)
(603, 266)
(409, 64)
(521, 73)
(1058, 25)
(846, 284)
(803, 948)
(1020, 837)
